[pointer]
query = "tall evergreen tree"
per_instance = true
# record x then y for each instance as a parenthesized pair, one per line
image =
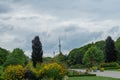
(37, 51)
(111, 54)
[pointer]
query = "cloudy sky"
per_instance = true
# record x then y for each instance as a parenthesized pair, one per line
(75, 22)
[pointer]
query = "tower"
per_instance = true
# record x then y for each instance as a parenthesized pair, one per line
(53, 53)
(59, 46)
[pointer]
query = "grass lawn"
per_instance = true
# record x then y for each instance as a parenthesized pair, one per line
(92, 78)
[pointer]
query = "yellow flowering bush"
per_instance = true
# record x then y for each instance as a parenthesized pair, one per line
(14, 72)
(52, 71)
(31, 72)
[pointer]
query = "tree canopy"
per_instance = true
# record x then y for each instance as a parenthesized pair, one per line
(117, 44)
(93, 56)
(16, 57)
(3, 55)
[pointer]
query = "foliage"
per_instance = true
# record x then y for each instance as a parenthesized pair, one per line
(76, 55)
(77, 66)
(37, 51)
(73, 73)
(45, 71)
(60, 58)
(1, 72)
(73, 56)
(112, 64)
(102, 69)
(3, 55)
(117, 44)
(93, 56)
(15, 58)
(30, 72)
(100, 45)
(110, 50)
(14, 72)
(47, 59)
(52, 71)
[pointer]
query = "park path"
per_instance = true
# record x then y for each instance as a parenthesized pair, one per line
(113, 74)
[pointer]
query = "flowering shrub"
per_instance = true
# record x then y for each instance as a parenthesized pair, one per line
(14, 72)
(52, 71)
(31, 73)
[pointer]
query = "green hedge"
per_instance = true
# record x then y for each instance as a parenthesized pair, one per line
(81, 75)
(112, 64)
(111, 68)
(78, 66)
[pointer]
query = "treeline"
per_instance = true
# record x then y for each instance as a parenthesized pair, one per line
(109, 48)
(93, 53)
(103, 51)
(15, 57)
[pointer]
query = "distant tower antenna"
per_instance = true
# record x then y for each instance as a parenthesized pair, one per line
(53, 53)
(59, 46)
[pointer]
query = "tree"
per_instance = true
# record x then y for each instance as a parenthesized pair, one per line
(73, 56)
(15, 58)
(60, 58)
(100, 45)
(3, 55)
(93, 56)
(37, 51)
(111, 54)
(117, 44)
(76, 55)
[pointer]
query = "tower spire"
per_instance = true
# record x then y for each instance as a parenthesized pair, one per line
(59, 46)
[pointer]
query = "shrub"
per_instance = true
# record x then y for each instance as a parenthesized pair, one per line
(112, 64)
(31, 73)
(1, 71)
(72, 73)
(52, 71)
(77, 66)
(101, 69)
(14, 72)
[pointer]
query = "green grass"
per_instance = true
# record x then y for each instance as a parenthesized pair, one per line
(92, 78)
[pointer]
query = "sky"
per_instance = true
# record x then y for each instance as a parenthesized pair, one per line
(75, 22)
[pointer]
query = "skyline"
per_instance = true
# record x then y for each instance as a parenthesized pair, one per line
(75, 22)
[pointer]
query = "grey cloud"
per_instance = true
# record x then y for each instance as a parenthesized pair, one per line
(5, 8)
(6, 28)
(80, 38)
(71, 37)
(71, 28)
(114, 29)
(100, 9)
